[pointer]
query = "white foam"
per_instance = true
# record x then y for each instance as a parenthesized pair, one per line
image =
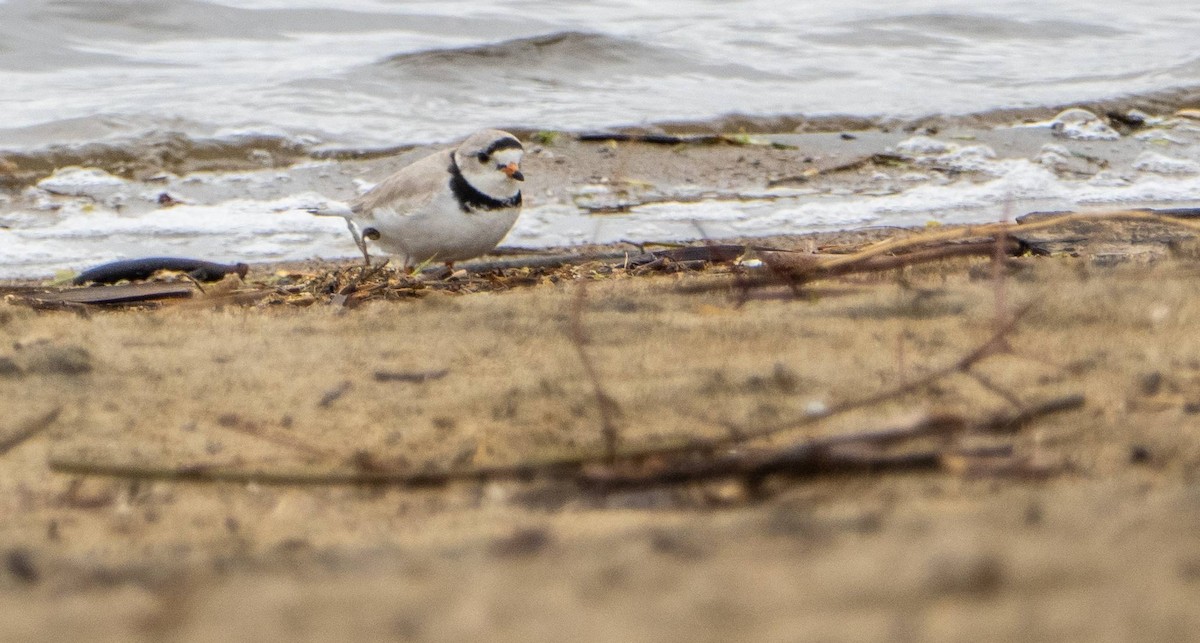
(963, 158)
(240, 230)
(921, 146)
(1053, 155)
(84, 182)
(1082, 125)
(1145, 190)
(1161, 164)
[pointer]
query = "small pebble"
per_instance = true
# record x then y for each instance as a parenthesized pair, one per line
(20, 564)
(9, 368)
(1151, 383)
(523, 542)
(60, 360)
(1139, 454)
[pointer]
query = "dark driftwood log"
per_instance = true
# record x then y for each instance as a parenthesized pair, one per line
(138, 269)
(655, 139)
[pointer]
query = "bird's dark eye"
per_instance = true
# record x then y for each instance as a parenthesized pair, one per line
(482, 156)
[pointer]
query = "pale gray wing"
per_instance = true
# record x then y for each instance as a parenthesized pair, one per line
(406, 191)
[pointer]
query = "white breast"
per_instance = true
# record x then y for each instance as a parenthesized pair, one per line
(439, 230)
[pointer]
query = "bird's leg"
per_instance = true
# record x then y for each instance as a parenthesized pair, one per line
(358, 240)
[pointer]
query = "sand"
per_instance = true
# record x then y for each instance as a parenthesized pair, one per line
(1092, 537)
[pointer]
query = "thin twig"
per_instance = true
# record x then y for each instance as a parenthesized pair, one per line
(606, 406)
(276, 437)
(1011, 423)
(411, 376)
(978, 354)
(28, 430)
(999, 284)
(987, 383)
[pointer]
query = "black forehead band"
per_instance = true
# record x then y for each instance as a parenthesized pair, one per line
(503, 144)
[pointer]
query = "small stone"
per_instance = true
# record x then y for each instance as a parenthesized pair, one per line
(1189, 570)
(1034, 514)
(20, 564)
(9, 368)
(1151, 383)
(965, 574)
(1139, 454)
(60, 360)
(524, 542)
(676, 545)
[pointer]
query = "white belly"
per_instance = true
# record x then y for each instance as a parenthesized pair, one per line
(441, 231)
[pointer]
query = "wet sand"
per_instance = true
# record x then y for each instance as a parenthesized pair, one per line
(1086, 533)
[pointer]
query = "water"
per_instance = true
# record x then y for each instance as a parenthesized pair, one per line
(363, 73)
(311, 75)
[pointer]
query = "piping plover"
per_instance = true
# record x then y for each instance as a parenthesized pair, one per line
(452, 205)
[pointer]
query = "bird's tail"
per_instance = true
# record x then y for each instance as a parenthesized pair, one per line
(333, 209)
(338, 209)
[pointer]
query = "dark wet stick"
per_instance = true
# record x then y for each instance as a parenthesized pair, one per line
(137, 269)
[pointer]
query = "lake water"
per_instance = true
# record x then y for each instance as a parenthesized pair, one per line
(365, 74)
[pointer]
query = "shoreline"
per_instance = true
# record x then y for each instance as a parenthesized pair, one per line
(177, 152)
(603, 192)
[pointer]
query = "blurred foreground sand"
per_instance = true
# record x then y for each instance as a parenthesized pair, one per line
(1103, 549)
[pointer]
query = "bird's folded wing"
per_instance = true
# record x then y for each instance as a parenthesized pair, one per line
(407, 190)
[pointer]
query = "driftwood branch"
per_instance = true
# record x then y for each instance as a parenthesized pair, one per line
(836, 454)
(990, 240)
(809, 267)
(841, 453)
(991, 230)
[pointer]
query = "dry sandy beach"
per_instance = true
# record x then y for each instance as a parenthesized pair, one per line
(1074, 525)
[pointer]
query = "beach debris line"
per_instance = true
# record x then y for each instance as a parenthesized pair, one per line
(753, 266)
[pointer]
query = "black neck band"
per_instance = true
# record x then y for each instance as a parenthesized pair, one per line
(469, 198)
